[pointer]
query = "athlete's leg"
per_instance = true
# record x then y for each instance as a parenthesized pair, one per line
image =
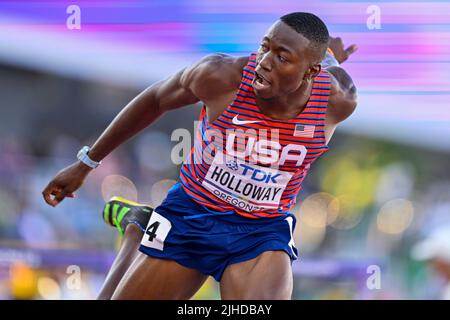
(126, 255)
(130, 218)
(266, 277)
(158, 279)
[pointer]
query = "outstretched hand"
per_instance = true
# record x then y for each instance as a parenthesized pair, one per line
(65, 183)
(337, 46)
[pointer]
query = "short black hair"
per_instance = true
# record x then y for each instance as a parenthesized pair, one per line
(311, 27)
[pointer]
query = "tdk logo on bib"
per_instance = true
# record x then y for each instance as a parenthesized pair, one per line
(259, 175)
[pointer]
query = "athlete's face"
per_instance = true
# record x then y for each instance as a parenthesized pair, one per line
(284, 61)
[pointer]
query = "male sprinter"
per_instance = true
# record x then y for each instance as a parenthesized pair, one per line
(266, 118)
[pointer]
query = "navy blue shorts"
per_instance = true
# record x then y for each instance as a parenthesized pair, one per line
(182, 230)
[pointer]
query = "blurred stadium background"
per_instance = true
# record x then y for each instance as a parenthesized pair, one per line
(383, 186)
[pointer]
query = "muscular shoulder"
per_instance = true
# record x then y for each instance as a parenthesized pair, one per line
(214, 75)
(343, 96)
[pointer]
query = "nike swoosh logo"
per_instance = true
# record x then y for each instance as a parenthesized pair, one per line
(241, 122)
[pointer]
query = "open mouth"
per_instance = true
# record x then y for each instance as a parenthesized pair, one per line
(260, 82)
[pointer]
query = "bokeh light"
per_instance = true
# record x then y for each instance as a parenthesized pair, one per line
(49, 288)
(23, 281)
(159, 190)
(120, 186)
(319, 210)
(348, 215)
(395, 216)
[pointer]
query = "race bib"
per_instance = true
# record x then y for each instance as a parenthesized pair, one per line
(246, 186)
(156, 231)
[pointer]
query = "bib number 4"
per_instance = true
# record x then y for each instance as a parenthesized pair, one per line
(156, 232)
(151, 230)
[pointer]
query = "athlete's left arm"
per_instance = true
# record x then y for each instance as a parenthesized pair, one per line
(343, 96)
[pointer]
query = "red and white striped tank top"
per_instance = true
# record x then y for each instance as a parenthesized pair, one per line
(249, 163)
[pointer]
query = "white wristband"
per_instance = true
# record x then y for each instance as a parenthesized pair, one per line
(83, 157)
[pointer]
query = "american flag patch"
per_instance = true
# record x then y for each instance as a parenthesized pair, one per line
(305, 131)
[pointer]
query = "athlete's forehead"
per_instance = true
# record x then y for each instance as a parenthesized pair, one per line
(285, 38)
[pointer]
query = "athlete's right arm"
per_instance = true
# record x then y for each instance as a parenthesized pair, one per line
(186, 87)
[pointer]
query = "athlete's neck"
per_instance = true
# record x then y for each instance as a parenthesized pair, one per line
(288, 106)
